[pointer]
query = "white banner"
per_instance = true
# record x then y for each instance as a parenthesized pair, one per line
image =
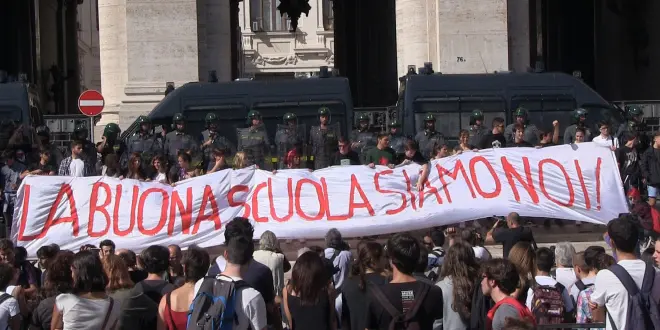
(566, 182)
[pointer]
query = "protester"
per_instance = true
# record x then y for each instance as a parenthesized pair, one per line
(58, 279)
(609, 293)
(130, 260)
(494, 138)
(586, 269)
(159, 164)
(441, 151)
(472, 237)
(457, 284)
(308, 298)
(28, 275)
(518, 136)
(74, 164)
(463, 138)
(220, 161)
(404, 292)
(605, 138)
(42, 167)
(345, 155)
(339, 253)
(548, 299)
(510, 235)
(382, 154)
(134, 167)
(174, 306)
(45, 254)
(270, 255)
(629, 161)
(111, 167)
(175, 269)
(82, 308)
(10, 316)
(156, 263)
(564, 272)
(434, 242)
(499, 280)
(107, 247)
(420, 273)
(240, 160)
(650, 166)
(522, 256)
(367, 270)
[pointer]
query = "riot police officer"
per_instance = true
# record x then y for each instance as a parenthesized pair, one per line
(178, 140)
(477, 129)
(90, 155)
(429, 138)
(144, 142)
(288, 136)
(579, 120)
(323, 139)
(531, 133)
(211, 140)
(397, 140)
(253, 141)
(43, 139)
(362, 139)
(635, 124)
(110, 143)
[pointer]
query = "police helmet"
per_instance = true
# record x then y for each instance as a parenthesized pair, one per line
(143, 120)
(210, 118)
(289, 116)
(110, 129)
(363, 117)
(43, 131)
(520, 112)
(254, 114)
(324, 111)
(477, 114)
(429, 117)
(394, 123)
(178, 117)
(634, 111)
(80, 128)
(579, 112)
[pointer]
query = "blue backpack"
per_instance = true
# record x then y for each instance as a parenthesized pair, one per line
(214, 306)
(643, 311)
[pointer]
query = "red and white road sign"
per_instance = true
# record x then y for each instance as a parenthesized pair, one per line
(91, 103)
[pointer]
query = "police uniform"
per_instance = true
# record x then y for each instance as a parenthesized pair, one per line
(397, 141)
(217, 142)
(253, 141)
(569, 133)
(177, 141)
(477, 132)
(288, 136)
(530, 134)
(428, 139)
(634, 124)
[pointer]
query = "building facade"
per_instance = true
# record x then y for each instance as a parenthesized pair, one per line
(271, 51)
(88, 46)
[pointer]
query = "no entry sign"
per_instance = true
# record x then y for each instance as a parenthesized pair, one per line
(91, 103)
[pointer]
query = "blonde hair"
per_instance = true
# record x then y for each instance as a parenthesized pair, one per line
(239, 160)
(523, 257)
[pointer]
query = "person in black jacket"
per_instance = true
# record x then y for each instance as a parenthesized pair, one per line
(651, 168)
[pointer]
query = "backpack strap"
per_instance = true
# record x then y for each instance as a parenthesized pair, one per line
(419, 300)
(107, 315)
(334, 256)
(168, 305)
(4, 296)
(560, 287)
(627, 281)
(580, 285)
(649, 278)
(382, 299)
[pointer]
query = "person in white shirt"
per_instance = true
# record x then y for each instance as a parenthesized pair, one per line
(74, 164)
(610, 296)
(544, 262)
(564, 272)
(10, 317)
(250, 305)
(605, 139)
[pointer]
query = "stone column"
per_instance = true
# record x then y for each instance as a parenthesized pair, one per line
(112, 53)
(412, 35)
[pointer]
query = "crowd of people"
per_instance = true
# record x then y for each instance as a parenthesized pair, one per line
(445, 279)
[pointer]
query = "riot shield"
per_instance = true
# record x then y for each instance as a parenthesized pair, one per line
(288, 137)
(324, 145)
(365, 142)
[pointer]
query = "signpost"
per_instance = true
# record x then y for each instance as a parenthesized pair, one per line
(91, 103)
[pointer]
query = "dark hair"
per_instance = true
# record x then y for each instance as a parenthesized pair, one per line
(461, 265)
(156, 259)
(6, 276)
(107, 242)
(6, 245)
(20, 255)
(437, 237)
(403, 251)
(497, 121)
(76, 143)
(333, 239)
(88, 274)
(469, 235)
(239, 226)
(423, 261)
(342, 139)
(581, 129)
(381, 136)
(591, 256)
(308, 278)
(518, 127)
(9, 154)
(604, 261)
(239, 250)
(57, 277)
(623, 233)
(196, 262)
(464, 132)
(503, 272)
(44, 151)
(629, 136)
(217, 152)
(603, 123)
(369, 257)
(47, 252)
(185, 156)
(545, 259)
(578, 261)
(411, 145)
(129, 257)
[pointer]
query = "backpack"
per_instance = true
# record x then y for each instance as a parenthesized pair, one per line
(401, 321)
(335, 269)
(214, 306)
(581, 286)
(139, 312)
(643, 312)
(548, 304)
(480, 307)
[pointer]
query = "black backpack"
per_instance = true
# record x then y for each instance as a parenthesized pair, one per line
(214, 306)
(643, 311)
(139, 311)
(401, 321)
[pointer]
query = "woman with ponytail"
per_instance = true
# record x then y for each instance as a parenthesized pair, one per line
(367, 270)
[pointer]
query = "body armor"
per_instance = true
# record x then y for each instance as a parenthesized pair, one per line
(286, 138)
(179, 141)
(476, 134)
(427, 141)
(148, 145)
(324, 144)
(569, 134)
(253, 141)
(218, 142)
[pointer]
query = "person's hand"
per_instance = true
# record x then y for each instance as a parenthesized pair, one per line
(497, 223)
(390, 165)
(613, 148)
(274, 171)
(555, 123)
(538, 147)
(207, 143)
(475, 150)
(459, 152)
(644, 180)
(592, 306)
(354, 145)
(420, 185)
(36, 172)
(103, 139)
(372, 165)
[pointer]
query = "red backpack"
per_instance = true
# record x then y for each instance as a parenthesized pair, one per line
(523, 311)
